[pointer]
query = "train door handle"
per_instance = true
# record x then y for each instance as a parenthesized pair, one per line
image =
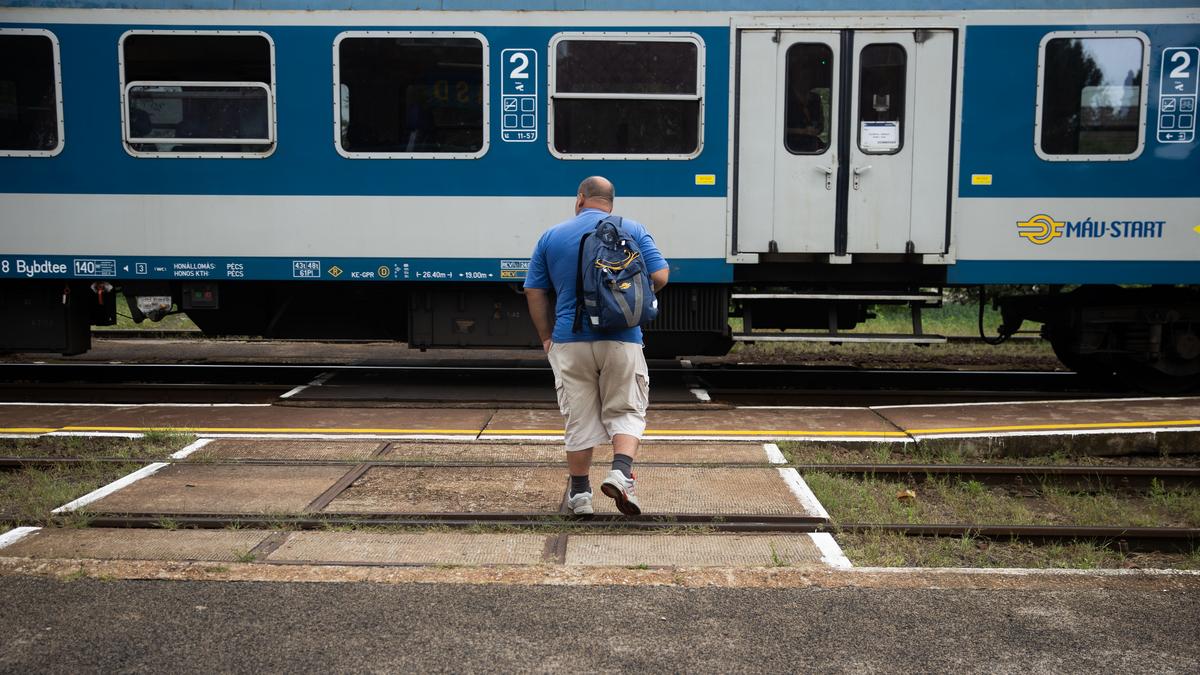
(858, 171)
(828, 171)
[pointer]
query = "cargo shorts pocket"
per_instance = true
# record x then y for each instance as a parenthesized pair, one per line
(641, 393)
(560, 390)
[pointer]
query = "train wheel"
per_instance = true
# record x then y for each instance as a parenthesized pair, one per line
(1176, 370)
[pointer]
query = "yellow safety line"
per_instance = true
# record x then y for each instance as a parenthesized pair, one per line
(277, 430)
(1059, 427)
(25, 430)
(710, 432)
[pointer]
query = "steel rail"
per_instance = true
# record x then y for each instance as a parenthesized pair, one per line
(1178, 539)
(1175, 539)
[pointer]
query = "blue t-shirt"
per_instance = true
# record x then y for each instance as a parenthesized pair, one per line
(555, 264)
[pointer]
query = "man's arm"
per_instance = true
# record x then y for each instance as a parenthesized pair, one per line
(659, 279)
(541, 311)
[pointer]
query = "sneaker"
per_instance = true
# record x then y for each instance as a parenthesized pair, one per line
(620, 489)
(580, 504)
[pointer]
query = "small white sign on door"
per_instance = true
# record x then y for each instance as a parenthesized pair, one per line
(879, 136)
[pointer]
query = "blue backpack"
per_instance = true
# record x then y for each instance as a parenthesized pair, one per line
(612, 286)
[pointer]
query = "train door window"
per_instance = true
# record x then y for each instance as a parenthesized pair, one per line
(198, 94)
(881, 92)
(626, 96)
(807, 105)
(30, 94)
(403, 95)
(1092, 96)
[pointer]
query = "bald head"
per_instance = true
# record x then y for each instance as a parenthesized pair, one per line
(595, 192)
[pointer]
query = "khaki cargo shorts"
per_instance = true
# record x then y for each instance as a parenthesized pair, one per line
(603, 389)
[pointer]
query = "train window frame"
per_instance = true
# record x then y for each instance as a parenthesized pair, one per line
(552, 92)
(58, 95)
(1142, 105)
(485, 48)
(272, 102)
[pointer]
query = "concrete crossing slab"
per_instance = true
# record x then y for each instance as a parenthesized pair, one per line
(1044, 416)
(693, 550)
(428, 548)
(298, 450)
(737, 424)
(718, 491)
(223, 489)
(651, 452)
(137, 544)
(449, 490)
(16, 419)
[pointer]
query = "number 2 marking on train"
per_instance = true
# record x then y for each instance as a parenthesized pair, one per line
(1180, 71)
(519, 73)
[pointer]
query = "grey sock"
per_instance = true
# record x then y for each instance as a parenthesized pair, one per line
(624, 464)
(580, 484)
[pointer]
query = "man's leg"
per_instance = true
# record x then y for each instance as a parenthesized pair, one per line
(624, 394)
(579, 402)
(579, 464)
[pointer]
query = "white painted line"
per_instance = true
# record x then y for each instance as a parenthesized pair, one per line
(344, 437)
(803, 493)
(316, 382)
(801, 407)
(16, 534)
(1059, 432)
(831, 553)
(767, 436)
(1029, 571)
(192, 448)
(701, 394)
(774, 455)
(138, 405)
(1056, 402)
(98, 434)
(20, 435)
(112, 487)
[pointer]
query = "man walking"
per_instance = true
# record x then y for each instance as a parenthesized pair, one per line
(601, 379)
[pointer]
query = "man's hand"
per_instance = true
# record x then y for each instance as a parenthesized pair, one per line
(542, 314)
(546, 344)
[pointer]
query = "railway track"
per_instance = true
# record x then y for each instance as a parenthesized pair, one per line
(738, 384)
(991, 474)
(1162, 539)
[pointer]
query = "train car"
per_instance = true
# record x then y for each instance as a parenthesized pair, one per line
(327, 168)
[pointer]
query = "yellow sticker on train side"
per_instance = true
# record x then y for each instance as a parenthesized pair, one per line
(981, 179)
(706, 179)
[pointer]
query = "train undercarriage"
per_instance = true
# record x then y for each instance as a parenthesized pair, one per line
(1147, 337)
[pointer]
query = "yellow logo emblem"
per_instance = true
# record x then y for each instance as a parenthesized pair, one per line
(1041, 229)
(335, 271)
(625, 285)
(383, 271)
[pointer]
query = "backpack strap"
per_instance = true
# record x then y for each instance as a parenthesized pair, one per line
(577, 325)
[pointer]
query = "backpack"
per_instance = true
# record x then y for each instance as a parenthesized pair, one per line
(612, 286)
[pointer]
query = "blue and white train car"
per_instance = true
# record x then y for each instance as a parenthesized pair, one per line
(383, 168)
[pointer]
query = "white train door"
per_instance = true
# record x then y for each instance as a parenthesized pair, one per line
(843, 141)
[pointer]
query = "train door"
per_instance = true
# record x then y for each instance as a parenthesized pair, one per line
(843, 141)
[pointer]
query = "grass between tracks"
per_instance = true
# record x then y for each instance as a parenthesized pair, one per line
(28, 495)
(950, 501)
(822, 452)
(891, 549)
(152, 445)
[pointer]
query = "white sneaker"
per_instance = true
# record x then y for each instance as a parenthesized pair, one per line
(620, 489)
(580, 504)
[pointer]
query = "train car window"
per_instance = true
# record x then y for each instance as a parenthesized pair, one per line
(411, 95)
(30, 94)
(882, 81)
(626, 96)
(1091, 96)
(197, 94)
(809, 82)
